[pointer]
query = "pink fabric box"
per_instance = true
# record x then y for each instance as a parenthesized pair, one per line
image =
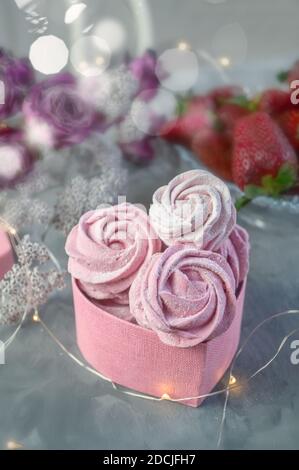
(6, 254)
(134, 357)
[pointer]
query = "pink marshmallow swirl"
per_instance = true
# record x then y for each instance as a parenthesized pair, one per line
(106, 250)
(195, 207)
(236, 251)
(185, 295)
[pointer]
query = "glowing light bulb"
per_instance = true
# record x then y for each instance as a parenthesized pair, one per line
(13, 445)
(12, 231)
(165, 396)
(183, 46)
(224, 61)
(35, 317)
(232, 380)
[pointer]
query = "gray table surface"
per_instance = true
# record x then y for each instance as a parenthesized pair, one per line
(49, 402)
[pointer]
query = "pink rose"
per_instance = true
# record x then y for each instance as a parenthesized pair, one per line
(185, 295)
(195, 207)
(236, 251)
(106, 250)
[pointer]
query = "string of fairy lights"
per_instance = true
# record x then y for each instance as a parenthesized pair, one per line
(232, 382)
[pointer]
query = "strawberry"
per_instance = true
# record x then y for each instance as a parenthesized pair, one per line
(229, 114)
(195, 114)
(260, 151)
(274, 101)
(222, 94)
(234, 108)
(200, 103)
(289, 123)
(200, 112)
(174, 132)
(214, 149)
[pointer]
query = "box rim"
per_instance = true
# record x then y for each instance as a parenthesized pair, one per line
(136, 326)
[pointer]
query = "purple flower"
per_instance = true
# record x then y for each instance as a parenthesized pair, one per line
(139, 151)
(57, 115)
(17, 76)
(16, 160)
(144, 70)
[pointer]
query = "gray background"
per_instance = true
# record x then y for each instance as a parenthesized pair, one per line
(270, 26)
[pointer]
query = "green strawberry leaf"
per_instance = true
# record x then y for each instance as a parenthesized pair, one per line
(251, 191)
(282, 76)
(284, 180)
(243, 102)
(182, 106)
(286, 176)
(270, 186)
(242, 202)
(240, 100)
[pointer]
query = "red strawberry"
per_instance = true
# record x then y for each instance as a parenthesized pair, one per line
(229, 114)
(221, 94)
(289, 123)
(274, 101)
(214, 149)
(260, 151)
(199, 104)
(198, 114)
(173, 131)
